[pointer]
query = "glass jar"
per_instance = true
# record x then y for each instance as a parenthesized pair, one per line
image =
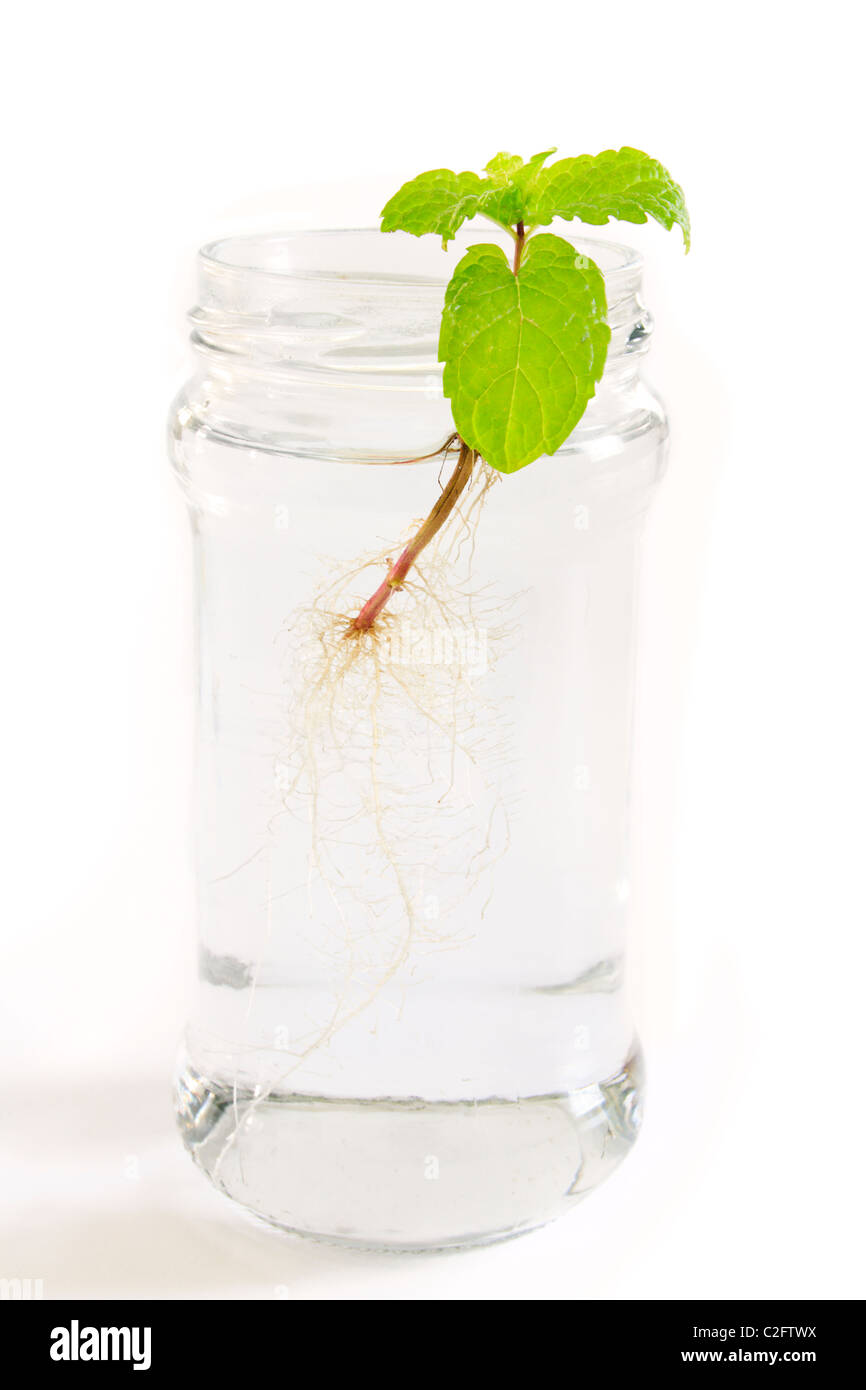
(411, 1028)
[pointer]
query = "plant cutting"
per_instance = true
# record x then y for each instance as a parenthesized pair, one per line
(523, 344)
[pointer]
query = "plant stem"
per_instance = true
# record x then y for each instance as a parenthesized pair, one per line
(443, 508)
(439, 515)
(518, 246)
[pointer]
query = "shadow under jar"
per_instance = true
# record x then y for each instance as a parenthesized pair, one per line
(411, 1030)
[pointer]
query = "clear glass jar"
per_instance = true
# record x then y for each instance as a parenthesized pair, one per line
(411, 1028)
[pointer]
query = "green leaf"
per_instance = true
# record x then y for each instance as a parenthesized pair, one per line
(438, 201)
(522, 353)
(502, 166)
(510, 168)
(625, 184)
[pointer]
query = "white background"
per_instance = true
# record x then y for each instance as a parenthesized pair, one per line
(135, 133)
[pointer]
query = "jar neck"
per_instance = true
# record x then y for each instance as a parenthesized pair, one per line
(327, 342)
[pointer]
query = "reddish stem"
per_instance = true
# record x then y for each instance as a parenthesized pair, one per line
(439, 515)
(518, 246)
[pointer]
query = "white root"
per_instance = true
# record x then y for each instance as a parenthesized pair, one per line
(397, 762)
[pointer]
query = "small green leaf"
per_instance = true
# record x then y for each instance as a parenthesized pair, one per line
(522, 353)
(625, 184)
(513, 188)
(438, 201)
(510, 168)
(502, 166)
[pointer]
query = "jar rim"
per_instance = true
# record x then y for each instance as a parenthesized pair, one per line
(325, 254)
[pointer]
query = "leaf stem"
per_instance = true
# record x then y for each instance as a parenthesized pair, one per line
(397, 573)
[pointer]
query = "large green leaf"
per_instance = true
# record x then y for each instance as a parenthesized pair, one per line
(522, 353)
(625, 184)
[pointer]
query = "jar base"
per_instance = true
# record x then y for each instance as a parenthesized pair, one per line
(409, 1175)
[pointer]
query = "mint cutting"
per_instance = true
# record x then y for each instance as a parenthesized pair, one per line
(523, 338)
